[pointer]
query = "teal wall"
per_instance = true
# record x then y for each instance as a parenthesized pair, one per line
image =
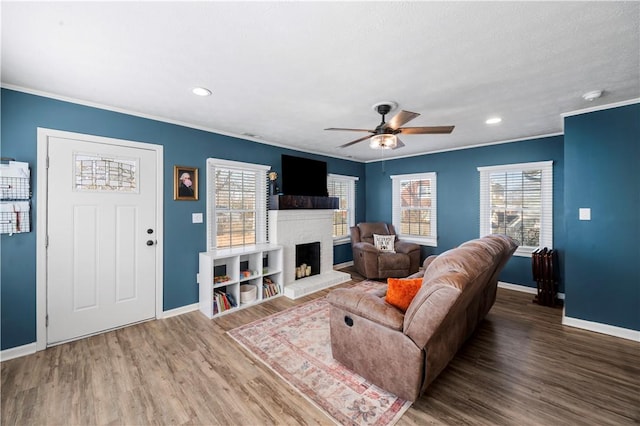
(22, 114)
(458, 185)
(602, 172)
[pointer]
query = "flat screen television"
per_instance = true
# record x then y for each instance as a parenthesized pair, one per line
(304, 176)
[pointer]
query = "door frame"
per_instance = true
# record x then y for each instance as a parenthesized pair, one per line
(41, 219)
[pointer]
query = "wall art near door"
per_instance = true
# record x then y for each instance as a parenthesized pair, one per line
(185, 183)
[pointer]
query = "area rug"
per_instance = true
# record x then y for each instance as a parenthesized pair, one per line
(296, 344)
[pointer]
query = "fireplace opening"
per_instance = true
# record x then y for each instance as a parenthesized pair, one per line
(307, 260)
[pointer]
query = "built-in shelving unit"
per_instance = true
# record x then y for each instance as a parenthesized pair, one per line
(235, 278)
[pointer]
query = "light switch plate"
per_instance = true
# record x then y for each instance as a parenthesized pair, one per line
(196, 217)
(584, 213)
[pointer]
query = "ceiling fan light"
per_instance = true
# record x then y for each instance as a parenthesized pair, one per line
(383, 141)
(201, 91)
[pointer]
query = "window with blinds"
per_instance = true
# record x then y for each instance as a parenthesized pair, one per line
(517, 200)
(344, 188)
(236, 204)
(414, 207)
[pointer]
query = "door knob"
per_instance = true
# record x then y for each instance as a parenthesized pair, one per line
(149, 231)
(149, 242)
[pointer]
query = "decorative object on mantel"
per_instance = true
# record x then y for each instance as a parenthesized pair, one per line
(273, 183)
(302, 357)
(185, 183)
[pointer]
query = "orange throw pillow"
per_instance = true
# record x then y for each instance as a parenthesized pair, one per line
(401, 291)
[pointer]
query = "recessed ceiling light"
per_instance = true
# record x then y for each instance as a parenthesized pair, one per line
(493, 120)
(201, 91)
(593, 95)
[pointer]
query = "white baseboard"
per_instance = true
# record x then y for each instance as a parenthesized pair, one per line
(342, 265)
(597, 327)
(179, 311)
(18, 351)
(523, 288)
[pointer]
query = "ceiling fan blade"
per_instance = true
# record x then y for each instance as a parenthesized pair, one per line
(400, 144)
(400, 118)
(351, 130)
(426, 130)
(356, 141)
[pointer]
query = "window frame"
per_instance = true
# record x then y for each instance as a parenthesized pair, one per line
(546, 201)
(396, 181)
(351, 204)
(261, 201)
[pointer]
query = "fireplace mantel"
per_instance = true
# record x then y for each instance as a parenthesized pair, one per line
(291, 202)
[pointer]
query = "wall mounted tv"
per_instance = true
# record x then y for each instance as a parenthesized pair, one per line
(304, 176)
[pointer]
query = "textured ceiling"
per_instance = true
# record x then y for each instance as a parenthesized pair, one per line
(287, 70)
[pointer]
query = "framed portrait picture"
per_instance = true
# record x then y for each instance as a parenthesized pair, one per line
(185, 183)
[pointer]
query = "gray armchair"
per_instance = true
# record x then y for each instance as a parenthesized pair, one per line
(373, 263)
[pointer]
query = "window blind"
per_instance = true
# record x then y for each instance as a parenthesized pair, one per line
(236, 203)
(344, 188)
(517, 200)
(414, 207)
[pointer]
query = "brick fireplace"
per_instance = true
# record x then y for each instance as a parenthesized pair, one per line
(289, 228)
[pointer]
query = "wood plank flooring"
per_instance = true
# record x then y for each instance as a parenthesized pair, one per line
(522, 367)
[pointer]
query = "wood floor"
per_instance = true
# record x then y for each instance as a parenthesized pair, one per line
(521, 368)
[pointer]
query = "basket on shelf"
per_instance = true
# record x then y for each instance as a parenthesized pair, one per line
(248, 293)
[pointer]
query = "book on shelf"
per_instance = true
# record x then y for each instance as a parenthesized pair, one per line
(269, 288)
(231, 299)
(223, 302)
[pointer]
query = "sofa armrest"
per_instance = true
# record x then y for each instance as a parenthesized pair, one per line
(425, 265)
(365, 247)
(406, 247)
(367, 305)
(418, 274)
(428, 261)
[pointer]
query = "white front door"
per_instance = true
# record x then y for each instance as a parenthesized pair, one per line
(101, 223)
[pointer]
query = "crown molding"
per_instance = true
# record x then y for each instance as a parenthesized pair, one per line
(163, 120)
(600, 108)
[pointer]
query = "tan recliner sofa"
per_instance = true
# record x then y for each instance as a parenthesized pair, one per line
(404, 352)
(373, 263)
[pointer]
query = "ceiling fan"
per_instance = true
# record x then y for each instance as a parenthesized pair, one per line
(384, 136)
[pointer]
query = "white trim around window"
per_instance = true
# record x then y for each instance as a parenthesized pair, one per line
(533, 199)
(343, 187)
(414, 207)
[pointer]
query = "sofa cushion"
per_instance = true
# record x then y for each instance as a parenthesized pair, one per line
(401, 291)
(384, 242)
(471, 261)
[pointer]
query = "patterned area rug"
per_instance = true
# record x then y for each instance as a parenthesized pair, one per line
(296, 345)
